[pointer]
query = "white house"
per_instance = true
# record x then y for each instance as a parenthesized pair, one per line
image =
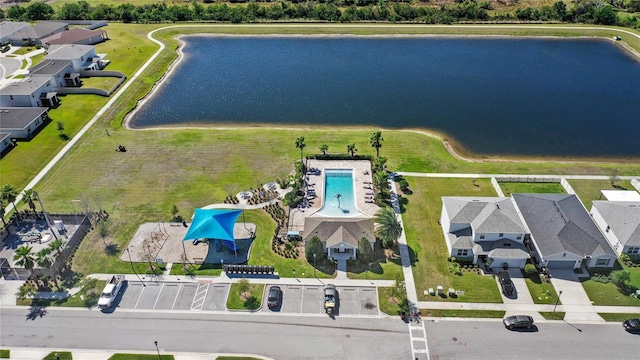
(83, 57)
(619, 221)
(61, 72)
(563, 233)
(8, 28)
(484, 230)
(5, 140)
(29, 92)
(22, 122)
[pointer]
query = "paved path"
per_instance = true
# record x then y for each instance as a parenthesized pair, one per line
(573, 297)
(90, 354)
(537, 176)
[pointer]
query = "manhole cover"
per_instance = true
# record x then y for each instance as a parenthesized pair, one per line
(347, 336)
(455, 338)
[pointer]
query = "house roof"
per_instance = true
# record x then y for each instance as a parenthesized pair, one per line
(9, 27)
(4, 135)
(559, 223)
(504, 253)
(68, 51)
(50, 67)
(72, 36)
(19, 118)
(25, 87)
(461, 239)
(44, 28)
(624, 219)
(621, 195)
(485, 214)
(336, 230)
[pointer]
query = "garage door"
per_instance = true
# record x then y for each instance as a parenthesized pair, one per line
(559, 264)
(512, 263)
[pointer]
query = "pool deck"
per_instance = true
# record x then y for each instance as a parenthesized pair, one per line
(362, 176)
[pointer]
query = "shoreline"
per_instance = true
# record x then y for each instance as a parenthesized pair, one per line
(455, 149)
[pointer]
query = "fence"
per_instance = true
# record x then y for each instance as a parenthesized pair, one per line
(636, 184)
(496, 186)
(567, 187)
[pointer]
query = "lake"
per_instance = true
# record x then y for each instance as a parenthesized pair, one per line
(493, 96)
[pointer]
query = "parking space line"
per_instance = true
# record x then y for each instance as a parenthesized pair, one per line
(139, 296)
(158, 296)
(200, 296)
(176, 298)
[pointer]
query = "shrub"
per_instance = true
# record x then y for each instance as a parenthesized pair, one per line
(600, 278)
(404, 185)
(530, 270)
(454, 268)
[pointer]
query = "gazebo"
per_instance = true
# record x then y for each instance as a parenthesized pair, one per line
(214, 224)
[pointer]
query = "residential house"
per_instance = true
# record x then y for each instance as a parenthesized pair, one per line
(76, 36)
(620, 224)
(59, 71)
(562, 233)
(8, 28)
(83, 57)
(29, 92)
(620, 195)
(5, 140)
(33, 35)
(486, 230)
(21, 122)
(340, 236)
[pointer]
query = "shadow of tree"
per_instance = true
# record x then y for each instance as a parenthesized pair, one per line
(112, 249)
(252, 303)
(36, 311)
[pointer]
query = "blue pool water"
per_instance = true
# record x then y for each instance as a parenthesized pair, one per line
(338, 182)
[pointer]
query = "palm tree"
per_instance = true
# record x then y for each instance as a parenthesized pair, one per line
(28, 196)
(2, 206)
(42, 258)
(351, 148)
(56, 245)
(9, 194)
(338, 196)
(24, 257)
(388, 228)
(376, 141)
(324, 148)
(300, 145)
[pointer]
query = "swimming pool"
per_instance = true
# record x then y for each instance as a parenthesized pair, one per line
(338, 181)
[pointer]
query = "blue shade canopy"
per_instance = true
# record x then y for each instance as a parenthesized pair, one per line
(213, 224)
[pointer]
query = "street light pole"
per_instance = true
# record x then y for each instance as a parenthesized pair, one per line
(132, 267)
(294, 273)
(158, 350)
(557, 300)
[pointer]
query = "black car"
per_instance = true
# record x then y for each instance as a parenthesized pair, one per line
(5, 48)
(518, 322)
(506, 283)
(274, 297)
(631, 325)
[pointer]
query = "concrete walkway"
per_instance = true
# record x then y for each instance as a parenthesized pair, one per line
(574, 299)
(89, 354)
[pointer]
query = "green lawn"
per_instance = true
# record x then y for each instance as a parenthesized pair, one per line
(141, 357)
(248, 301)
(618, 317)
(509, 188)
(5, 354)
(609, 294)
(549, 315)
(542, 291)
(463, 313)
(62, 355)
(104, 83)
(427, 246)
(589, 190)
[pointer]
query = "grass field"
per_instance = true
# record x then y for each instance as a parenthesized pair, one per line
(509, 188)
(463, 313)
(252, 300)
(541, 291)
(427, 246)
(609, 294)
(589, 190)
(618, 317)
(549, 315)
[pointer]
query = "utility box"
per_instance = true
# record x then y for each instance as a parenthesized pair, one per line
(59, 226)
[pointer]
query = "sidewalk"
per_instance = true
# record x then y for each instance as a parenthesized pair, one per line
(88, 354)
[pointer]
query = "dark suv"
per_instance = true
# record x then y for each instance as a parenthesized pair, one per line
(506, 283)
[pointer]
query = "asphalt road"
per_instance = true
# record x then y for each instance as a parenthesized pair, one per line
(310, 337)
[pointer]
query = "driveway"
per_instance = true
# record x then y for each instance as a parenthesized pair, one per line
(575, 301)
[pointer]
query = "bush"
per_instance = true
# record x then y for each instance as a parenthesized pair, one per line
(404, 185)
(530, 270)
(600, 278)
(454, 268)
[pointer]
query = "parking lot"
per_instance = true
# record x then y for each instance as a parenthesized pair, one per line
(206, 296)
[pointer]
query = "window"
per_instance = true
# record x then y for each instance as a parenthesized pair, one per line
(602, 262)
(501, 235)
(463, 252)
(519, 237)
(608, 228)
(633, 250)
(481, 237)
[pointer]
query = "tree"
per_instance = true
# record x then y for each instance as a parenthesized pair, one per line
(314, 247)
(27, 290)
(243, 287)
(28, 197)
(376, 141)
(399, 289)
(388, 228)
(613, 178)
(380, 164)
(57, 245)
(351, 148)
(300, 145)
(39, 11)
(103, 229)
(42, 258)
(9, 194)
(24, 257)
(620, 277)
(324, 148)
(365, 250)
(2, 206)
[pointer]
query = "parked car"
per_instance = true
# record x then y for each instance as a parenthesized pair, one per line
(631, 325)
(5, 48)
(506, 283)
(518, 322)
(274, 297)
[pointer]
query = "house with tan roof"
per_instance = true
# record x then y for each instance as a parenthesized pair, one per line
(76, 36)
